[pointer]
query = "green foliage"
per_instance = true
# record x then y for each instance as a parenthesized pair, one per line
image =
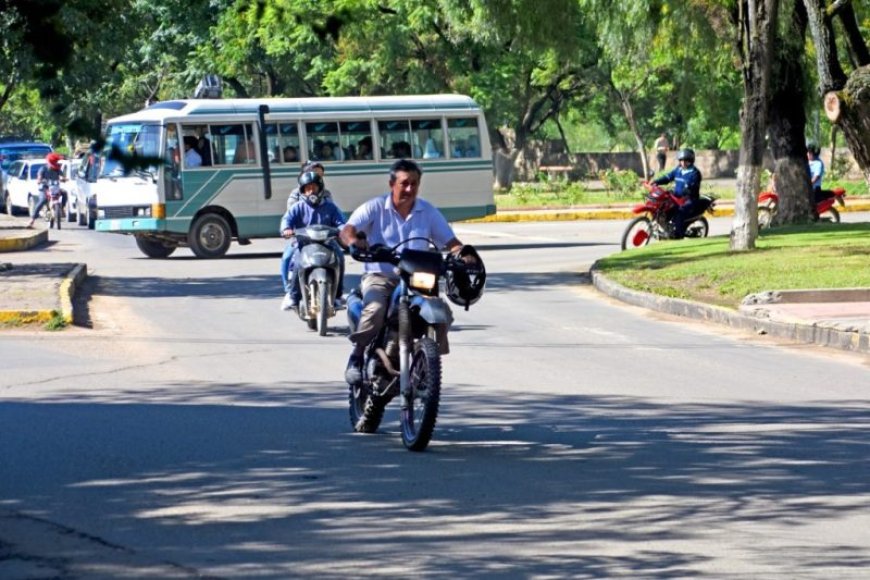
(56, 322)
(788, 258)
(622, 183)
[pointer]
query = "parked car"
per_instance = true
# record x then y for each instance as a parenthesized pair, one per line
(12, 150)
(22, 190)
(85, 204)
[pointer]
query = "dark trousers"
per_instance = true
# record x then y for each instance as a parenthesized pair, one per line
(680, 219)
(661, 157)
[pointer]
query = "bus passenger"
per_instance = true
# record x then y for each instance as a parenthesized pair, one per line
(245, 152)
(191, 157)
(290, 155)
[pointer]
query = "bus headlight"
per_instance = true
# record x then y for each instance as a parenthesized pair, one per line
(142, 211)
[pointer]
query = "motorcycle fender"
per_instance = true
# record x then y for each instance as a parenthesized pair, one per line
(319, 274)
(315, 255)
(433, 310)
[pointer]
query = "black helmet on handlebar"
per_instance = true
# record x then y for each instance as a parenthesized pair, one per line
(465, 286)
(686, 154)
(306, 179)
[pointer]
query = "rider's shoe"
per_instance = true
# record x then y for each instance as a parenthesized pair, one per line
(353, 373)
(288, 303)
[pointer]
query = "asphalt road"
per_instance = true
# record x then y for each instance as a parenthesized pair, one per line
(196, 430)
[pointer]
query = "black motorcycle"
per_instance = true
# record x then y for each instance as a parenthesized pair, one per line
(405, 358)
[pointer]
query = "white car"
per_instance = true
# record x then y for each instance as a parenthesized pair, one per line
(22, 190)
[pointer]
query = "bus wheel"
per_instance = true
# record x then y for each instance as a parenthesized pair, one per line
(154, 248)
(209, 236)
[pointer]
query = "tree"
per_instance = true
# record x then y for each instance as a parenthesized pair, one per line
(787, 119)
(756, 33)
(846, 97)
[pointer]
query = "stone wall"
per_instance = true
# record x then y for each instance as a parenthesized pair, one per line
(714, 164)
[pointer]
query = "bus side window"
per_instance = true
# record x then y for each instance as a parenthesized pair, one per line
(323, 142)
(428, 138)
(395, 139)
(464, 137)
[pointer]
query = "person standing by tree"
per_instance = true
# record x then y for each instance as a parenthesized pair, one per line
(662, 147)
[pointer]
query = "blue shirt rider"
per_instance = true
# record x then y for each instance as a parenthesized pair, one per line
(314, 209)
(687, 186)
(816, 169)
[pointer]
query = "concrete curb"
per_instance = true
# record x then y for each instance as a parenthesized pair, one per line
(612, 213)
(823, 334)
(23, 242)
(66, 292)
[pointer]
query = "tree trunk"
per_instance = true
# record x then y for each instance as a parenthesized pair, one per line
(757, 35)
(504, 168)
(850, 110)
(628, 111)
(787, 124)
(831, 75)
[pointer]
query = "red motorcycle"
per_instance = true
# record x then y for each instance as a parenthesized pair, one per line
(658, 212)
(768, 201)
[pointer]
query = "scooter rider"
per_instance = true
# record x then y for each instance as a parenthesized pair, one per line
(296, 194)
(390, 219)
(687, 188)
(48, 173)
(313, 209)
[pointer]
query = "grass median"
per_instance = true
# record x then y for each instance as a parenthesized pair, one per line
(829, 256)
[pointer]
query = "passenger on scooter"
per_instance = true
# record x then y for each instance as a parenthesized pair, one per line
(390, 219)
(687, 188)
(317, 167)
(314, 209)
(47, 173)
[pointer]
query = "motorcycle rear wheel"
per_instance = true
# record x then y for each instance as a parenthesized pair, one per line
(418, 417)
(698, 228)
(638, 233)
(831, 215)
(366, 410)
(765, 217)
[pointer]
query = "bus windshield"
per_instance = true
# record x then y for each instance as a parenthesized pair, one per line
(129, 141)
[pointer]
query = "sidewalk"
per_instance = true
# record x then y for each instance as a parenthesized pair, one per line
(833, 318)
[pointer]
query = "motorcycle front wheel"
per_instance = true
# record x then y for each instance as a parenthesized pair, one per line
(638, 233)
(324, 290)
(420, 411)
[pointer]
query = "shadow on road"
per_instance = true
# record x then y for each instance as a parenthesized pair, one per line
(228, 467)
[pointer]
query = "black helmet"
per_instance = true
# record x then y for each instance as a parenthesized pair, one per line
(687, 154)
(813, 147)
(307, 178)
(465, 287)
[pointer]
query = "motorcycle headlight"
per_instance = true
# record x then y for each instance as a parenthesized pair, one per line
(423, 281)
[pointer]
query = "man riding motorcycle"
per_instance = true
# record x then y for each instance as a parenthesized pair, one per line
(687, 188)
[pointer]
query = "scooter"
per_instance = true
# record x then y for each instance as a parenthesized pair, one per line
(768, 202)
(319, 275)
(657, 212)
